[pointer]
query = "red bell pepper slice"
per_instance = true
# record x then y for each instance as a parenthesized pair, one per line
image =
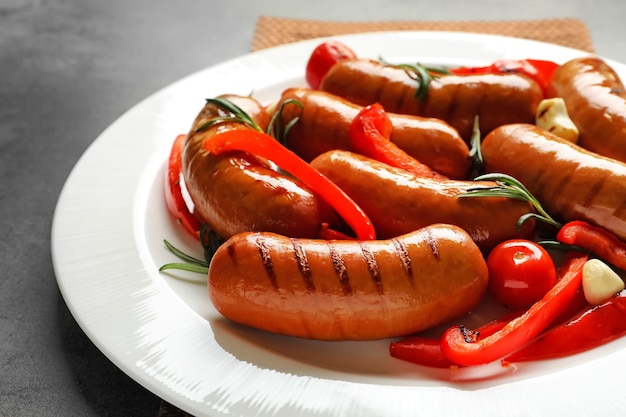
(427, 351)
(539, 70)
(594, 239)
(593, 327)
(369, 135)
(265, 146)
(461, 345)
(173, 191)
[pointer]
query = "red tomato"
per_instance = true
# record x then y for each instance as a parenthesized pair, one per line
(520, 273)
(323, 57)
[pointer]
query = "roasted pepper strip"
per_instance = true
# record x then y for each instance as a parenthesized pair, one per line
(596, 240)
(265, 146)
(462, 346)
(594, 327)
(539, 70)
(369, 135)
(173, 190)
(427, 351)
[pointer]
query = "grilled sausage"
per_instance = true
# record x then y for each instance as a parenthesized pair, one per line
(348, 290)
(497, 99)
(596, 102)
(237, 192)
(324, 121)
(398, 202)
(570, 182)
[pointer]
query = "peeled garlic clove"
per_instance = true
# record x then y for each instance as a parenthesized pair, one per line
(600, 282)
(552, 116)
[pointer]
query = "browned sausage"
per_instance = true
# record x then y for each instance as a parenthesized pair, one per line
(570, 182)
(324, 121)
(398, 202)
(596, 102)
(497, 99)
(348, 290)
(236, 192)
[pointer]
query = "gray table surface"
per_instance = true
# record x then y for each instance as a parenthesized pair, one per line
(68, 69)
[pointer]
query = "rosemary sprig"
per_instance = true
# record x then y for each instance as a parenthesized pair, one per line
(475, 152)
(210, 242)
(507, 186)
(420, 73)
(556, 245)
(236, 114)
(277, 129)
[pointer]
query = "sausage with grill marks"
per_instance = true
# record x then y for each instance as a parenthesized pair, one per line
(398, 202)
(497, 99)
(344, 289)
(236, 192)
(324, 123)
(571, 182)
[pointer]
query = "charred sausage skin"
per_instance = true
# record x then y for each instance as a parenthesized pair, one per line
(348, 290)
(571, 182)
(497, 99)
(596, 102)
(236, 192)
(324, 120)
(398, 202)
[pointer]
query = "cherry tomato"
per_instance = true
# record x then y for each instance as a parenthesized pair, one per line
(520, 273)
(323, 57)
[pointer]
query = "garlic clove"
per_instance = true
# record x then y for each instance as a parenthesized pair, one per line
(600, 282)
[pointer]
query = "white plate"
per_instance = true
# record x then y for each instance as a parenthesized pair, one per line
(162, 330)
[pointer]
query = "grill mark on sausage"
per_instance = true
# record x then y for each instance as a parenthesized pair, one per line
(592, 191)
(405, 259)
(340, 269)
(231, 254)
(303, 265)
(266, 259)
(372, 267)
(433, 243)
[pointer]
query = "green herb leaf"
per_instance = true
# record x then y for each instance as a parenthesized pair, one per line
(210, 241)
(509, 187)
(419, 73)
(276, 128)
(236, 114)
(556, 245)
(200, 269)
(478, 162)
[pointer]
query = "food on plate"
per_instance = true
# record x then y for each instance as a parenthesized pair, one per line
(521, 272)
(263, 145)
(497, 99)
(348, 290)
(239, 192)
(369, 135)
(323, 122)
(596, 102)
(341, 220)
(323, 57)
(463, 346)
(539, 70)
(571, 182)
(593, 326)
(552, 116)
(398, 202)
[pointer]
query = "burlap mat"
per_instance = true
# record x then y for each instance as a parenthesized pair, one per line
(573, 33)
(274, 31)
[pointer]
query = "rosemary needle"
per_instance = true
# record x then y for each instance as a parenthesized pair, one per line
(509, 187)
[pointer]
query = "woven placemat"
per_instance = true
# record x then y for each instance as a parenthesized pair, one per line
(274, 31)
